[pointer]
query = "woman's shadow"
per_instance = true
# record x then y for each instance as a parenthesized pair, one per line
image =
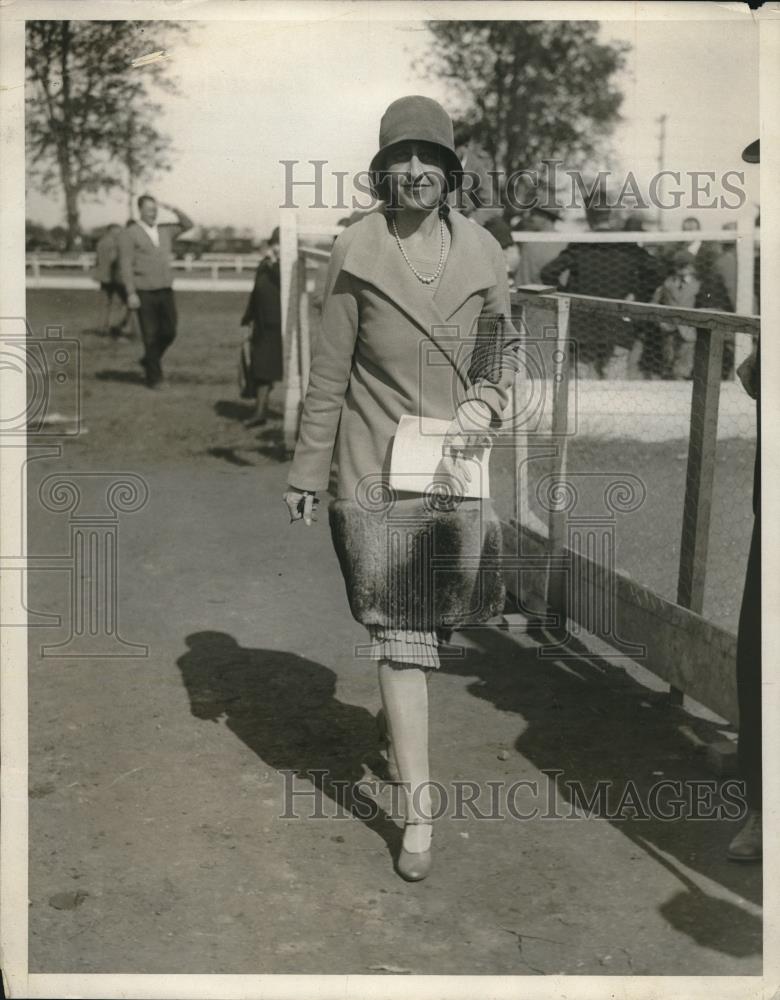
(282, 706)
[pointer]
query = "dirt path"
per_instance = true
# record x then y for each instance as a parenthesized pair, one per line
(158, 782)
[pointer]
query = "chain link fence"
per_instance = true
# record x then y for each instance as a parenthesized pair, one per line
(653, 408)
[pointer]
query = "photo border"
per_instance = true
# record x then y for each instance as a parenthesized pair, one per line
(13, 652)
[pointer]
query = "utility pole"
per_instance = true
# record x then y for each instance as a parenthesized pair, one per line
(661, 163)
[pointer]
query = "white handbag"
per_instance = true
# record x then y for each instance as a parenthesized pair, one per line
(416, 461)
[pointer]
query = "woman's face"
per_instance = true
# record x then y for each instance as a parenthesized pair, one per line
(415, 174)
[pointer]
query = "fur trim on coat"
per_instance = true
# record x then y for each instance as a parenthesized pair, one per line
(409, 564)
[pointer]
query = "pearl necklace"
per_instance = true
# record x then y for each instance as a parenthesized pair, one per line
(421, 277)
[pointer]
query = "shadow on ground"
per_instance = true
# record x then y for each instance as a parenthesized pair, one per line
(283, 707)
(230, 455)
(589, 720)
(267, 442)
(232, 410)
(116, 375)
(114, 333)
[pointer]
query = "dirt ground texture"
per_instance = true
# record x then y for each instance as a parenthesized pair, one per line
(158, 782)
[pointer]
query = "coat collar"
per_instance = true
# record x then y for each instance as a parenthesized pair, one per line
(142, 229)
(374, 257)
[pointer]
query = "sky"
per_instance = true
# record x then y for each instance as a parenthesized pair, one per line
(255, 93)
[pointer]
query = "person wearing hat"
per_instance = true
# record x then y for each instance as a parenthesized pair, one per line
(406, 286)
(747, 845)
(264, 313)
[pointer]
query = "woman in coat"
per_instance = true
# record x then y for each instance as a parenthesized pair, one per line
(406, 287)
(264, 312)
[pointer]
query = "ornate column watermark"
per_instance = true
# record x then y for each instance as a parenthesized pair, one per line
(94, 502)
(589, 555)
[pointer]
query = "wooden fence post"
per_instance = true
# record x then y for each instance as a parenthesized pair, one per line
(558, 575)
(700, 474)
(519, 446)
(288, 263)
(304, 337)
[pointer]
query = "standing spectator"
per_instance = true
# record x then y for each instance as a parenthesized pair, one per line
(666, 251)
(706, 258)
(719, 290)
(609, 270)
(107, 274)
(145, 251)
(534, 256)
(692, 225)
(264, 312)
(678, 340)
(647, 350)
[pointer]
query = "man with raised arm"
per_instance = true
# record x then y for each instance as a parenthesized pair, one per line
(145, 253)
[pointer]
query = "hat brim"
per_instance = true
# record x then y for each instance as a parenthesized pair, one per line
(752, 153)
(452, 165)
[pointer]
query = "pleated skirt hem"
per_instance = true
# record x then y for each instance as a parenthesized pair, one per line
(404, 646)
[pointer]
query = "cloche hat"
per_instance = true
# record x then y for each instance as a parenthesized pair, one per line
(752, 153)
(425, 120)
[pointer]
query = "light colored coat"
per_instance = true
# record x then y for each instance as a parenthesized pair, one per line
(142, 265)
(389, 346)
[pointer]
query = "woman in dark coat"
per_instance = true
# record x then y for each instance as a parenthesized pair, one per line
(264, 312)
(402, 283)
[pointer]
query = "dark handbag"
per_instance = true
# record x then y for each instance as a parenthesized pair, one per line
(487, 355)
(417, 562)
(247, 386)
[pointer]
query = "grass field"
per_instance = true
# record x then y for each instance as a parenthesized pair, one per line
(201, 418)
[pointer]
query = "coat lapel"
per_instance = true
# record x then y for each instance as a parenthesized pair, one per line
(374, 257)
(144, 235)
(468, 269)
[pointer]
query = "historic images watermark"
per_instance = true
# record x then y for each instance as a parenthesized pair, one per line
(310, 184)
(91, 503)
(313, 794)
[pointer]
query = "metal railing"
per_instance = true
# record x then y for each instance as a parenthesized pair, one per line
(673, 638)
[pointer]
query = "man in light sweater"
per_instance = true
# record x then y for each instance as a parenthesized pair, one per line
(145, 250)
